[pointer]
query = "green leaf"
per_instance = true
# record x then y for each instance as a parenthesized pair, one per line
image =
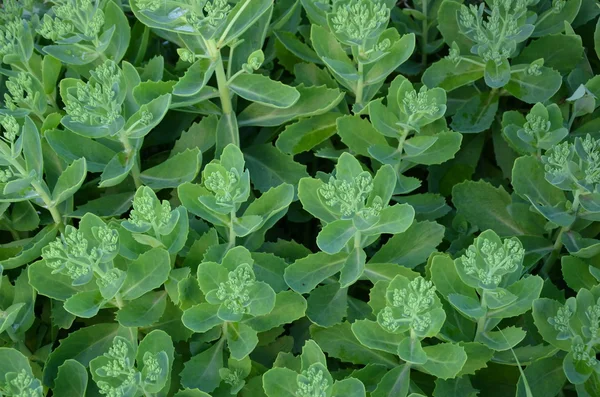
(411, 247)
(503, 339)
(261, 89)
(72, 379)
(489, 207)
(338, 341)
(532, 88)
(280, 382)
(395, 383)
(289, 306)
(371, 335)
(358, 134)
(307, 133)
(335, 235)
(143, 311)
(202, 370)
(178, 169)
(149, 271)
(83, 345)
(241, 339)
(270, 168)
(445, 74)
(444, 360)
(69, 181)
(32, 149)
(305, 274)
(30, 248)
(327, 305)
(477, 114)
(71, 147)
(313, 101)
(544, 378)
(349, 387)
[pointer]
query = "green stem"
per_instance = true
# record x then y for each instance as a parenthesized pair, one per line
(551, 259)
(360, 83)
(481, 323)
(223, 86)
(231, 230)
(129, 152)
(42, 191)
(424, 35)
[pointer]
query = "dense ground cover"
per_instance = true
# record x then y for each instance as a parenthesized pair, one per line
(299, 198)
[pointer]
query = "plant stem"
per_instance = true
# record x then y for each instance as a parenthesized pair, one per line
(231, 230)
(129, 152)
(481, 323)
(551, 259)
(361, 77)
(42, 191)
(424, 35)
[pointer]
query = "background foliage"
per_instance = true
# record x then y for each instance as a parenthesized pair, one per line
(299, 198)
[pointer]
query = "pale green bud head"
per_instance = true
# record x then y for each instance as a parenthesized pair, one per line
(21, 384)
(312, 383)
(359, 20)
(489, 259)
(561, 322)
(216, 11)
(235, 292)
(152, 367)
(11, 128)
(224, 185)
(6, 175)
(349, 197)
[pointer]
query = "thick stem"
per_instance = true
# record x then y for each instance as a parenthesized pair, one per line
(43, 193)
(231, 230)
(424, 34)
(481, 323)
(551, 259)
(222, 85)
(360, 83)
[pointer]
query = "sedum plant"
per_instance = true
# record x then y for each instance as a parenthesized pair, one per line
(299, 198)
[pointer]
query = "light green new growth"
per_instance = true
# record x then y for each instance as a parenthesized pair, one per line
(557, 159)
(415, 304)
(214, 12)
(583, 339)
(577, 162)
(584, 353)
(11, 128)
(561, 322)
(495, 36)
(223, 185)
(350, 197)
(235, 292)
(152, 367)
(10, 34)
(233, 378)
(71, 254)
(358, 19)
(20, 92)
(536, 126)
(534, 69)
(591, 159)
(119, 365)
(80, 18)
(145, 212)
(418, 104)
(96, 101)
(312, 383)
(20, 384)
(497, 260)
